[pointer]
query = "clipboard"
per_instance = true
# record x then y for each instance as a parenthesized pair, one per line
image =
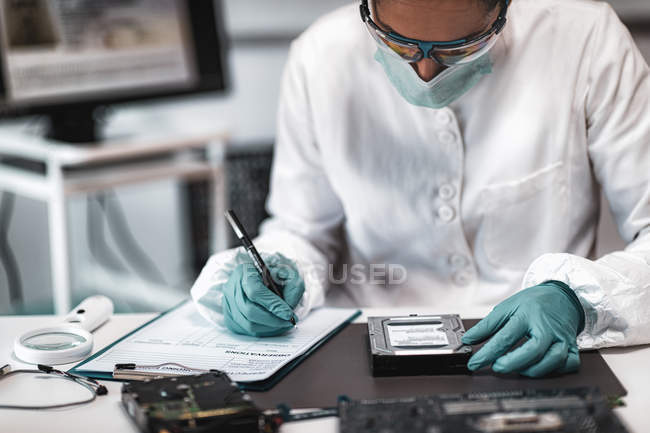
(259, 385)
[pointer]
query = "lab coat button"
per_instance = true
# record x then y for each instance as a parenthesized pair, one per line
(463, 278)
(446, 213)
(443, 118)
(447, 191)
(458, 261)
(447, 137)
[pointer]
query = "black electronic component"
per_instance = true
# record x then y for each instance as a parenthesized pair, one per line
(417, 345)
(582, 410)
(191, 404)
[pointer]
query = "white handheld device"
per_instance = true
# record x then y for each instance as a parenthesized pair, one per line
(68, 341)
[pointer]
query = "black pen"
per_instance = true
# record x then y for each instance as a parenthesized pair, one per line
(241, 234)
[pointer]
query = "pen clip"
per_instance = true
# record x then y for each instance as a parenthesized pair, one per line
(129, 366)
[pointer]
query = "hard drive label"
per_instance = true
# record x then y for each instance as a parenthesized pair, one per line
(417, 335)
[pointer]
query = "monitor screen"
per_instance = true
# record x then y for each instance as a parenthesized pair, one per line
(66, 52)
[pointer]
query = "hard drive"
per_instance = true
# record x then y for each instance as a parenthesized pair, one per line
(417, 345)
(192, 404)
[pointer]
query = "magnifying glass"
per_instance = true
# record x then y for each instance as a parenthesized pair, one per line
(68, 341)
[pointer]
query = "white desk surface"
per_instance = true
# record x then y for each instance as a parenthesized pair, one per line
(631, 365)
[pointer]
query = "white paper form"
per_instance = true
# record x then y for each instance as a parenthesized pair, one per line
(183, 336)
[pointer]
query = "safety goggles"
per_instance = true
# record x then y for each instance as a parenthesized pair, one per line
(451, 53)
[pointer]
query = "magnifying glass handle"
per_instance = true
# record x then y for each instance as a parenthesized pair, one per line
(91, 313)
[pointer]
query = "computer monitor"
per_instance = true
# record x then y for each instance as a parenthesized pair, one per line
(66, 58)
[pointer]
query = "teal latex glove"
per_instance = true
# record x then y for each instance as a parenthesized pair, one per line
(549, 315)
(250, 308)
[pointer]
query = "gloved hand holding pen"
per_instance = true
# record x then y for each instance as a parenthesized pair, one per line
(549, 315)
(250, 308)
(259, 297)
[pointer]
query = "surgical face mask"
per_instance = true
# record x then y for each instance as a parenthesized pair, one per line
(442, 90)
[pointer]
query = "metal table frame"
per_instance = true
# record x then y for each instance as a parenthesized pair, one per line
(71, 170)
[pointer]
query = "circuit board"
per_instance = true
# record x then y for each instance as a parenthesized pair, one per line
(581, 410)
(189, 404)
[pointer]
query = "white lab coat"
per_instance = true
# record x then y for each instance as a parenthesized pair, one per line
(500, 188)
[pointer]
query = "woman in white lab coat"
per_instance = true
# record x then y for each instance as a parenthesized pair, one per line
(478, 187)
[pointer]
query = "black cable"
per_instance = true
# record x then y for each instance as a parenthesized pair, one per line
(91, 385)
(97, 244)
(7, 256)
(127, 243)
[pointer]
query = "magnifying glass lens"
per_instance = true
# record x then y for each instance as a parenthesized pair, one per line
(53, 341)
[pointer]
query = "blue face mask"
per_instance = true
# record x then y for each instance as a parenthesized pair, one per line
(442, 90)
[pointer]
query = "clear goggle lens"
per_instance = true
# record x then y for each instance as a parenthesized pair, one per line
(466, 54)
(408, 52)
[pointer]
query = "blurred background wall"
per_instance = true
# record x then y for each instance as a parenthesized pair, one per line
(260, 34)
